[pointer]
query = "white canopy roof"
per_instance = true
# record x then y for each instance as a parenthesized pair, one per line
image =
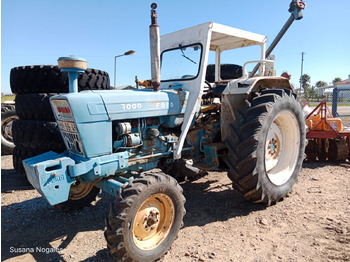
(225, 38)
(220, 36)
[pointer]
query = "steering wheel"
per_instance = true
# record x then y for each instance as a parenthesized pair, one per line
(208, 84)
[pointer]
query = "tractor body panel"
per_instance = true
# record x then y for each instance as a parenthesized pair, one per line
(85, 118)
(52, 174)
(48, 174)
(247, 85)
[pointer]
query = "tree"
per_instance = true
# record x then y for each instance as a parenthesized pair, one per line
(313, 91)
(320, 83)
(337, 79)
(305, 84)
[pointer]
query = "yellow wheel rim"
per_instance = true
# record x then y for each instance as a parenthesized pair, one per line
(153, 221)
(79, 190)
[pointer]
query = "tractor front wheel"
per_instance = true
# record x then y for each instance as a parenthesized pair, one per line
(80, 196)
(143, 224)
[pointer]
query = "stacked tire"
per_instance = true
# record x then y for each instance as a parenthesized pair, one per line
(8, 115)
(36, 131)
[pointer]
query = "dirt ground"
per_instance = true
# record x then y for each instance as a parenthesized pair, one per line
(312, 224)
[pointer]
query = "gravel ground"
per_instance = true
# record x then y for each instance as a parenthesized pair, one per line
(312, 224)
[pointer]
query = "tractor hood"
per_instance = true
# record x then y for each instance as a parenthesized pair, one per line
(85, 118)
(91, 106)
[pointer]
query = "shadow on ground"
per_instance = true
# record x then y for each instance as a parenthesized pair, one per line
(34, 223)
(12, 181)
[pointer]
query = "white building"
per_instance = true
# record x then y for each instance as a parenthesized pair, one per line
(345, 84)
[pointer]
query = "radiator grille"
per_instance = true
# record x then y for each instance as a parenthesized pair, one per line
(71, 137)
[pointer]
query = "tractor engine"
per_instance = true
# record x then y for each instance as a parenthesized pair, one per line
(99, 123)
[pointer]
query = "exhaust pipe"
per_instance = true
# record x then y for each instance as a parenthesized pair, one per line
(155, 48)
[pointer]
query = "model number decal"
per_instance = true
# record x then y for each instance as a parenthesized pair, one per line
(163, 105)
(131, 106)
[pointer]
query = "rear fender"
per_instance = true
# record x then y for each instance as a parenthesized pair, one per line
(248, 85)
(238, 90)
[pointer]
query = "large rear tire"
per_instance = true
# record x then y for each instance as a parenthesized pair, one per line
(49, 79)
(145, 222)
(42, 135)
(35, 107)
(21, 153)
(228, 71)
(266, 146)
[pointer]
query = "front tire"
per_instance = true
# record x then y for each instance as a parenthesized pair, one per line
(266, 146)
(145, 222)
(80, 196)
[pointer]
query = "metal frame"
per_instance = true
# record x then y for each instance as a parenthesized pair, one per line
(213, 37)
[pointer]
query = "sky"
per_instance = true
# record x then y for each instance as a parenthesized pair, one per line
(38, 32)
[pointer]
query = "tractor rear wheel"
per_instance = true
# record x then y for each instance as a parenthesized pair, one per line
(266, 145)
(143, 224)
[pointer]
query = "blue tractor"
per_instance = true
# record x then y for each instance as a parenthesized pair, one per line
(132, 143)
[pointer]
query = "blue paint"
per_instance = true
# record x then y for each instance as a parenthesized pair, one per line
(52, 174)
(73, 73)
(98, 155)
(110, 186)
(48, 174)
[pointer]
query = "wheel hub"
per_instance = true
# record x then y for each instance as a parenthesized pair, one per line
(282, 147)
(79, 190)
(153, 221)
(7, 128)
(272, 147)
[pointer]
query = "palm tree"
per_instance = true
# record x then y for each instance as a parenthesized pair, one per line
(337, 79)
(313, 92)
(305, 84)
(320, 83)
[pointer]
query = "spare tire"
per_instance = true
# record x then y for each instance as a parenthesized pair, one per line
(8, 115)
(50, 79)
(40, 135)
(228, 71)
(7, 107)
(20, 153)
(34, 106)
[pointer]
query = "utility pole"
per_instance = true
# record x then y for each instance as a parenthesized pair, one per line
(130, 52)
(301, 76)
